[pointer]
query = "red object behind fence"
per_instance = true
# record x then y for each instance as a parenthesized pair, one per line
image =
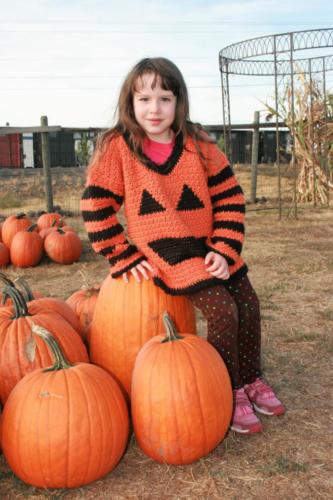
(10, 151)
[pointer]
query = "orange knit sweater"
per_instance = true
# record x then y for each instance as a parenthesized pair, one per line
(176, 213)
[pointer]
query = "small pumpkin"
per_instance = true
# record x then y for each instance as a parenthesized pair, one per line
(64, 247)
(12, 225)
(126, 316)
(83, 303)
(49, 220)
(20, 353)
(64, 426)
(4, 255)
(181, 399)
(26, 249)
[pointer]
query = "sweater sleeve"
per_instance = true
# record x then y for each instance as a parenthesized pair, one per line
(228, 204)
(101, 200)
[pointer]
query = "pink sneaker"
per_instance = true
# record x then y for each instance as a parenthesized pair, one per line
(244, 419)
(263, 398)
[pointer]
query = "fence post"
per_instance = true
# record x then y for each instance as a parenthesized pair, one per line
(46, 159)
(254, 159)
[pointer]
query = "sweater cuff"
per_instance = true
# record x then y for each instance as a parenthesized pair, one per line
(230, 261)
(119, 272)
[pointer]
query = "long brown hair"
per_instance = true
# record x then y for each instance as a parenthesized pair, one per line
(170, 78)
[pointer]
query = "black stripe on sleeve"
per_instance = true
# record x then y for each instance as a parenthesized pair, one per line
(107, 250)
(96, 192)
(230, 208)
(234, 244)
(106, 234)
(227, 194)
(225, 174)
(229, 224)
(131, 250)
(97, 215)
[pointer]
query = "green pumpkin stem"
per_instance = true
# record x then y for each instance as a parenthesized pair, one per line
(26, 290)
(20, 305)
(20, 215)
(7, 282)
(31, 228)
(170, 328)
(60, 362)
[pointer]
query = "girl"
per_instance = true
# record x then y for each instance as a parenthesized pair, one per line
(185, 214)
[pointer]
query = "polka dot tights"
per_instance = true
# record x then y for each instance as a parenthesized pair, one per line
(233, 322)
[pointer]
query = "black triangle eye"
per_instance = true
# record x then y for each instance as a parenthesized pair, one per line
(149, 205)
(189, 200)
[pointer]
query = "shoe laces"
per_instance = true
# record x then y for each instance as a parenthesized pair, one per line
(261, 387)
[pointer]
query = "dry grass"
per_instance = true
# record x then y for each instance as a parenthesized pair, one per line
(291, 268)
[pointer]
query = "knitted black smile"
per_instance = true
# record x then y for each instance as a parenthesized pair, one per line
(176, 250)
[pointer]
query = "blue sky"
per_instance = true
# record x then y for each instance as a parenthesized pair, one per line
(67, 58)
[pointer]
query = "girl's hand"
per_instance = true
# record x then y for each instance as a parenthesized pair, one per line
(139, 268)
(219, 266)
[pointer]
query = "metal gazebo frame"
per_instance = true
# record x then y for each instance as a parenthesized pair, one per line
(237, 59)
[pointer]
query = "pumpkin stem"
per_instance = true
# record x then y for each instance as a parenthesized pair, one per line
(26, 290)
(5, 279)
(170, 328)
(60, 362)
(6, 282)
(20, 305)
(20, 215)
(31, 228)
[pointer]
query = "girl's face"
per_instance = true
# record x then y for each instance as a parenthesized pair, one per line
(154, 108)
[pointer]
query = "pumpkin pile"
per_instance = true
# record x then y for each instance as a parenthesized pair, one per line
(66, 424)
(178, 385)
(24, 243)
(51, 412)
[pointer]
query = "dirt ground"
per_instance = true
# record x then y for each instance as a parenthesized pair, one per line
(291, 265)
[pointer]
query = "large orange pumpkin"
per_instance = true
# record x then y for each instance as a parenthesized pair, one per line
(126, 316)
(64, 247)
(20, 352)
(181, 399)
(64, 426)
(12, 225)
(26, 249)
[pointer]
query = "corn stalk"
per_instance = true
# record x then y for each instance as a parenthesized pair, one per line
(312, 137)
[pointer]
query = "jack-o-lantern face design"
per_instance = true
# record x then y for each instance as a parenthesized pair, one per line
(175, 250)
(187, 201)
